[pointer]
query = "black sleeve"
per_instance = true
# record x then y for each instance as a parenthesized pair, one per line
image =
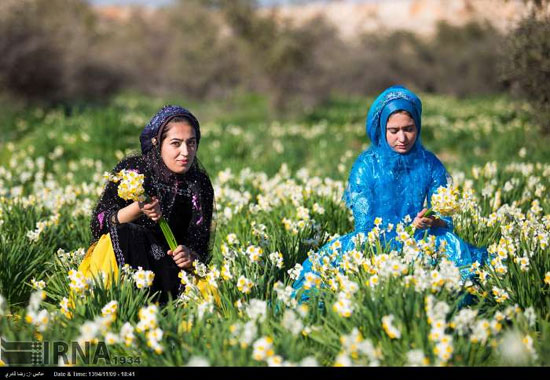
(109, 202)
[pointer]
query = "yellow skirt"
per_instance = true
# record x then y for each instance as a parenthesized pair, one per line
(100, 258)
(208, 290)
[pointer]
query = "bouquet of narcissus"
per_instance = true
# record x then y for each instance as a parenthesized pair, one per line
(130, 185)
(444, 201)
(130, 188)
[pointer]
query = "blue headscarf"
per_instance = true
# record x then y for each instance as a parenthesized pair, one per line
(393, 99)
(153, 129)
(385, 183)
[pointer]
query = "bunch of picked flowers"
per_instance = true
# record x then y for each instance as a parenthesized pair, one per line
(444, 201)
(130, 188)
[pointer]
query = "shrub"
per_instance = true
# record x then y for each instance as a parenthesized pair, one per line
(48, 51)
(527, 63)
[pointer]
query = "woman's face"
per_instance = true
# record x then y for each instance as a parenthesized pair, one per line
(401, 132)
(179, 147)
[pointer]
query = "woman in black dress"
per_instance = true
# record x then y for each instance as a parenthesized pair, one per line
(179, 190)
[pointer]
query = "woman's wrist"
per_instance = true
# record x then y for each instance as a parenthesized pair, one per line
(440, 223)
(129, 213)
(138, 206)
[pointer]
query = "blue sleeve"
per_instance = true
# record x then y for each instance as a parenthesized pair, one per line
(358, 194)
(440, 177)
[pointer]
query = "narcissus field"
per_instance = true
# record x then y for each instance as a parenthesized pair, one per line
(278, 185)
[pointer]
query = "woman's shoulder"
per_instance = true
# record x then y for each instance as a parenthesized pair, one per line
(433, 159)
(201, 177)
(364, 164)
(366, 157)
(433, 162)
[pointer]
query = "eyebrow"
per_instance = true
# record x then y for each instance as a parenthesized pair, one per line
(404, 126)
(179, 140)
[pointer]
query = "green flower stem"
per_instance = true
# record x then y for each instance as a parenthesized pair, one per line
(166, 230)
(168, 235)
(428, 213)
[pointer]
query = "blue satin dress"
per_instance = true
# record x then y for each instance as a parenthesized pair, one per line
(398, 193)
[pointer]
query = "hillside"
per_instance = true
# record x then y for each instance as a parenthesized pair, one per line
(352, 18)
(420, 16)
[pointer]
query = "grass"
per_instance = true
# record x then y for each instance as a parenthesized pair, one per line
(265, 167)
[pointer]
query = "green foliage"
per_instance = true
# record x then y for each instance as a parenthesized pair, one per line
(527, 64)
(278, 189)
(49, 54)
(206, 49)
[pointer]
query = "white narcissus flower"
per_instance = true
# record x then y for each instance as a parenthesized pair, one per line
(531, 316)
(35, 299)
(143, 278)
(276, 259)
(294, 273)
(110, 309)
(309, 361)
(254, 253)
(232, 239)
(257, 309)
(343, 360)
(244, 285)
(111, 338)
(389, 328)
(198, 361)
(416, 358)
(292, 322)
(39, 285)
(2, 305)
(263, 348)
(512, 349)
(89, 330)
(127, 334)
(130, 185)
(343, 306)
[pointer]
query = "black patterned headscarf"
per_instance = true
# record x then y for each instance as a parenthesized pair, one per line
(150, 139)
(154, 128)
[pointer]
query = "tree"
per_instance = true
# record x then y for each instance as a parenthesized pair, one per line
(527, 63)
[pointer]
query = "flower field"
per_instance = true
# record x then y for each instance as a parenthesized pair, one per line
(278, 188)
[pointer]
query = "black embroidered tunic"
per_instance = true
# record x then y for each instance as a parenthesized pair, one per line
(186, 202)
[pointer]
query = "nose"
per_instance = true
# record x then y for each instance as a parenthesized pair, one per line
(184, 151)
(401, 137)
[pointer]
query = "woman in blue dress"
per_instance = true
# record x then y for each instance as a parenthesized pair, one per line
(391, 181)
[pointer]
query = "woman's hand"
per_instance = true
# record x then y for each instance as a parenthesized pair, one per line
(422, 222)
(183, 256)
(151, 210)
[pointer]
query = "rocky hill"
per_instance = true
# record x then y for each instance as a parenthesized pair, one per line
(353, 18)
(420, 16)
